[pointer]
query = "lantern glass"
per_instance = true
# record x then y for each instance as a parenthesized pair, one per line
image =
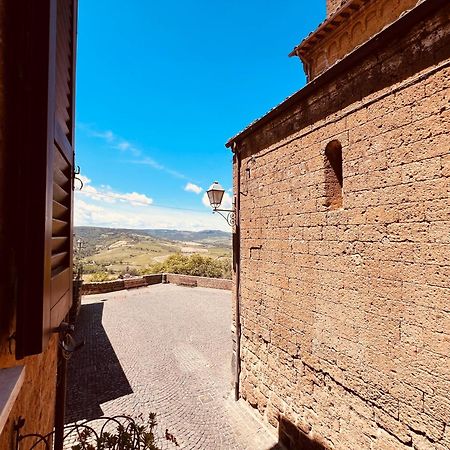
(215, 194)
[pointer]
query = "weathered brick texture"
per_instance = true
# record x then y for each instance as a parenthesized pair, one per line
(102, 287)
(334, 5)
(345, 316)
(214, 283)
(36, 400)
(147, 280)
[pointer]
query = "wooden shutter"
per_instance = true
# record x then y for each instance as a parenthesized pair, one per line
(63, 163)
(45, 140)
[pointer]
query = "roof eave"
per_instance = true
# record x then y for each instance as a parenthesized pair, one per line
(412, 17)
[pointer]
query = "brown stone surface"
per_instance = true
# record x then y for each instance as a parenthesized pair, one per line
(356, 23)
(36, 400)
(215, 283)
(334, 5)
(345, 319)
(154, 279)
(163, 349)
(104, 286)
(147, 280)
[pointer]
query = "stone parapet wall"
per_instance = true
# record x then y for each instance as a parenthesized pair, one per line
(155, 279)
(102, 286)
(147, 280)
(189, 280)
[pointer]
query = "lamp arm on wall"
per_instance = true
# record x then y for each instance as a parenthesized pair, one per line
(230, 217)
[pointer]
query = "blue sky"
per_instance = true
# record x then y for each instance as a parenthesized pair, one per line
(161, 86)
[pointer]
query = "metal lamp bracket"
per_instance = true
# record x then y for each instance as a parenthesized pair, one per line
(230, 215)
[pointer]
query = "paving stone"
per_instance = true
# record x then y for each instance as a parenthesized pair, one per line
(163, 349)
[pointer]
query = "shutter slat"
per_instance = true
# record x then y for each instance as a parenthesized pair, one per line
(59, 194)
(59, 243)
(59, 309)
(61, 279)
(63, 143)
(61, 178)
(59, 227)
(59, 211)
(60, 162)
(63, 66)
(58, 259)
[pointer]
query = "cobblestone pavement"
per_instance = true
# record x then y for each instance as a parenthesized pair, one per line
(163, 349)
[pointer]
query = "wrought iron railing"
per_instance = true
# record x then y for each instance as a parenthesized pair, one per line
(104, 433)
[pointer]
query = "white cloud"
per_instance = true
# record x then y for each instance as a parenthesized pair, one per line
(124, 145)
(108, 135)
(191, 187)
(149, 162)
(104, 207)
(122, 215)
(205, 200)
(108, 195)
(227, 201)
(156, 165)
(134, 198)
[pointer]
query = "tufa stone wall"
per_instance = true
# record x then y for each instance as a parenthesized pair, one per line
(345, 317)
(355, 24)
(36, 400)
(334, 5)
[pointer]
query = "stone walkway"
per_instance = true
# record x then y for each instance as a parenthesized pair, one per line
(163, 349)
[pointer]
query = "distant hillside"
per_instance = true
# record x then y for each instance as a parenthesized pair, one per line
(117, 250)
(211, 237)
(214, 237)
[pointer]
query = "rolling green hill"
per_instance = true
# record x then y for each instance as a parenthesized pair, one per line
(118, 251)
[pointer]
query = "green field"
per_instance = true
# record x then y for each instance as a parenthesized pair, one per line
(117, 252)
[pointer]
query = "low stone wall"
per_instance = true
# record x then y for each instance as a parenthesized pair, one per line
(155, 279)
(102, 287)
(189, 280)
(147, 280)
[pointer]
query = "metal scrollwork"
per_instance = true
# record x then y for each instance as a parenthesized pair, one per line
(75, 173)
(99, 433)
(230, 217)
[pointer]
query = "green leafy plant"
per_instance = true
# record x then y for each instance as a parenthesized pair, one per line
(128, 436)
(100, 276)
(197, 265)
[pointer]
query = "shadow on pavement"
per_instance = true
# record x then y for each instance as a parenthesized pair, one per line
(95, 375)
(292, 438)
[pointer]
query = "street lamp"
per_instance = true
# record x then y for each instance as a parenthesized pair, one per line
(215, 196)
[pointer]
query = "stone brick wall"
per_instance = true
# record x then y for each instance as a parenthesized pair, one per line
(155, 279)
(214, 283)
(334, 5)
(345, 318)
(36, 400)
(147, 280)
(355, 24)
(102, 287)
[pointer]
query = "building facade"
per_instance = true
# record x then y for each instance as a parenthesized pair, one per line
(37, 73)
(342, 277)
